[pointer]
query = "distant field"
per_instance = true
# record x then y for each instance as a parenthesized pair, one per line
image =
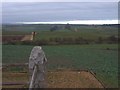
(101, 59)
(77, 33)
(7, 32)
(89, 35)
(26, 29)
(85, 32)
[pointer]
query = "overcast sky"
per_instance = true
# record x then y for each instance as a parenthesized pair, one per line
(59, 0)
(55, 11)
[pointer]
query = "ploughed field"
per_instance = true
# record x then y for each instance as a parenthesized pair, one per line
(11, 38)
(102, 59)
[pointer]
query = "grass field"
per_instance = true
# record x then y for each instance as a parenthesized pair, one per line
(46, 35)
(102, 59)
(78, 34)
(89, 33)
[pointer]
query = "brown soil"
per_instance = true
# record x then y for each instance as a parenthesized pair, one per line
(27, 38)
(8, 38)
(72, 79)
(57, 79)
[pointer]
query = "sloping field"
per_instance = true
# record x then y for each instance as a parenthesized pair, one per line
(55, 79)
(101, 59)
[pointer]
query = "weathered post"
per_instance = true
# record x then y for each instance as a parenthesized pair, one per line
(37, 64)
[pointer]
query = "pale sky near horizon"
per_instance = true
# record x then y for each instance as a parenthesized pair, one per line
(61, 1)
(39, 12)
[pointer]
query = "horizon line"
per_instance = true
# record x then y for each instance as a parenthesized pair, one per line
(75, 22)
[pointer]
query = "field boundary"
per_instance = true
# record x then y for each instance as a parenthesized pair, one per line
(56, 70)
(97, 79)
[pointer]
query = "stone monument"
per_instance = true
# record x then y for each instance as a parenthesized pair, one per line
(37, 65)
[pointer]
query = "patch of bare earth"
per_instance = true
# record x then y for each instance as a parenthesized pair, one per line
(56, 79)
(8, 38)
(27, 38)
(72, 79)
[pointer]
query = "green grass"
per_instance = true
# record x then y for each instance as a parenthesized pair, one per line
(86, 33)
(43, 31)
(46, 35)
(15, 53)
(93, 57)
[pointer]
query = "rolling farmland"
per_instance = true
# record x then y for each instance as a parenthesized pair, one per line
(92, 48)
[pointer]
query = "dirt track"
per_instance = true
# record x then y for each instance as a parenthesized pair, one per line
(57, 79)
(27, 38)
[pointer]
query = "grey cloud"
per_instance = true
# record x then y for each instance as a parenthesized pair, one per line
(22, 12)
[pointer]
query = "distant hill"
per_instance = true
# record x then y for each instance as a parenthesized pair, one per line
(36, 27)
